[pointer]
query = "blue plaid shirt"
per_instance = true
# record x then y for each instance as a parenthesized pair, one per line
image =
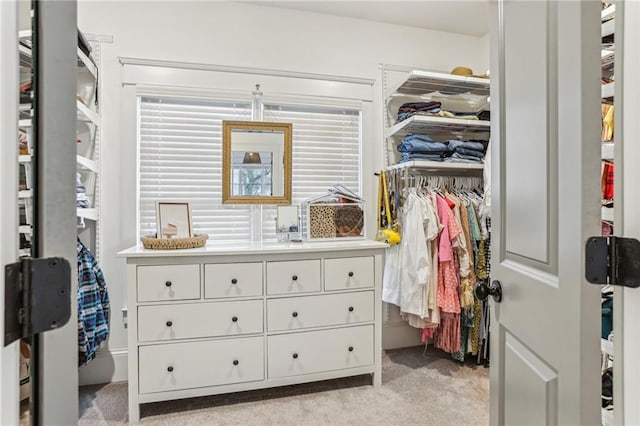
(93, 306)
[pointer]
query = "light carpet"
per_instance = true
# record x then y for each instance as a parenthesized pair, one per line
(417, 389)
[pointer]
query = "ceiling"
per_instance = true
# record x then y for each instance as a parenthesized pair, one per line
(470, 17)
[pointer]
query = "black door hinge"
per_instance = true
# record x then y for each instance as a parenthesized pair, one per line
(613, 260)
(37, 297)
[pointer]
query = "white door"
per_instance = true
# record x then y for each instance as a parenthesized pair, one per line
(8, 195)
(545, 96)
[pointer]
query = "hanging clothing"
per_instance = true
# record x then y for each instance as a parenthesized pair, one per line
(93, 305)
(431, 275)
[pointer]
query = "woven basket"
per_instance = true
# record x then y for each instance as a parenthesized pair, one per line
(174, 243)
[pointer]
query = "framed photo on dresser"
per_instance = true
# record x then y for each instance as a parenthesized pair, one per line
(173, 219)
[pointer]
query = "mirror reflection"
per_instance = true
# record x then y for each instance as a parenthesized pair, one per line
(288, 223)
(287, 219)
(256, 162)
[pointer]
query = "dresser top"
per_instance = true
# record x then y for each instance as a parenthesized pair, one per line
(214, 248)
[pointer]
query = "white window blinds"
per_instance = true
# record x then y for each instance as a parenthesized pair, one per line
(180, 148)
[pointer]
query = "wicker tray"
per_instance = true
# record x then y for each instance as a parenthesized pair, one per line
(174, 243)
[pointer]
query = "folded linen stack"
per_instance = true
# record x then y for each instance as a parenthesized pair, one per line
(81, 193)
(408, 109)
(423, 147)
(466, 151)
(433, 108)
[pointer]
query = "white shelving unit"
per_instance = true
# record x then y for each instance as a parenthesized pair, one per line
(88, 123)
(436, 166)
(455, 92)
(607, 214)
(89, 213)
(87, 163)
(419, 82)
(607, 91)
(422, 124)
(88, 160)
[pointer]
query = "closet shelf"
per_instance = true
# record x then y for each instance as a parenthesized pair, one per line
(608, 12)
(24, 252)
(421, 124)
(607, 150)
(87, 164)
(24, 123)
(418, 82)
(25, 193)
(607, 417)
(85, 114)
(607, 214)
(84, 61)
(607, 90)
(436, 166)
(608, 27)
(90, 214)
(25, 229)
(24, 159)
(25, 56)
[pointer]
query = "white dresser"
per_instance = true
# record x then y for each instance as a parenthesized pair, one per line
(235, 317)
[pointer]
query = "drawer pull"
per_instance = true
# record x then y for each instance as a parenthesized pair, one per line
(295, 278)
(168, 283)
(295, 314)
(350, 348)
(234, 319)
(350, 274)
(295, 356)
(234, 281)
(169, 323)
(236, 362)
(170, 368)
(350, 308)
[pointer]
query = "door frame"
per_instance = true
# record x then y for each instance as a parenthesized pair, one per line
(55, 352)
(9, 81)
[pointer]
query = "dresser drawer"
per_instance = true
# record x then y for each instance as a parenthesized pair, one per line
(233, 280)
(184, 321)
(198, 364)
(168, 282)
(294, 313)
(319, 351)
(348, 273)
(298, 276)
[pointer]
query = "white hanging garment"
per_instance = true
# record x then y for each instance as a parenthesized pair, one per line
(487, 176)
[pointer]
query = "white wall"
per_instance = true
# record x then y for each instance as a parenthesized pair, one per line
(232, 34)
(484, 52)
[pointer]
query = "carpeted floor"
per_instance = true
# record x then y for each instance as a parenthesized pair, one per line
(416, 390)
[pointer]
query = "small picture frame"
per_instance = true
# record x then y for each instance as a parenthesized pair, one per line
(173, 220)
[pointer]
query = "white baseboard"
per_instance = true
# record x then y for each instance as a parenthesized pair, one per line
(107, 366)
(399, 334)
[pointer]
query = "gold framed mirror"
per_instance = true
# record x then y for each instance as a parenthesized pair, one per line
(256, 162)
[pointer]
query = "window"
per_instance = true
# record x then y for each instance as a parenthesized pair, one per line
(180, 158)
